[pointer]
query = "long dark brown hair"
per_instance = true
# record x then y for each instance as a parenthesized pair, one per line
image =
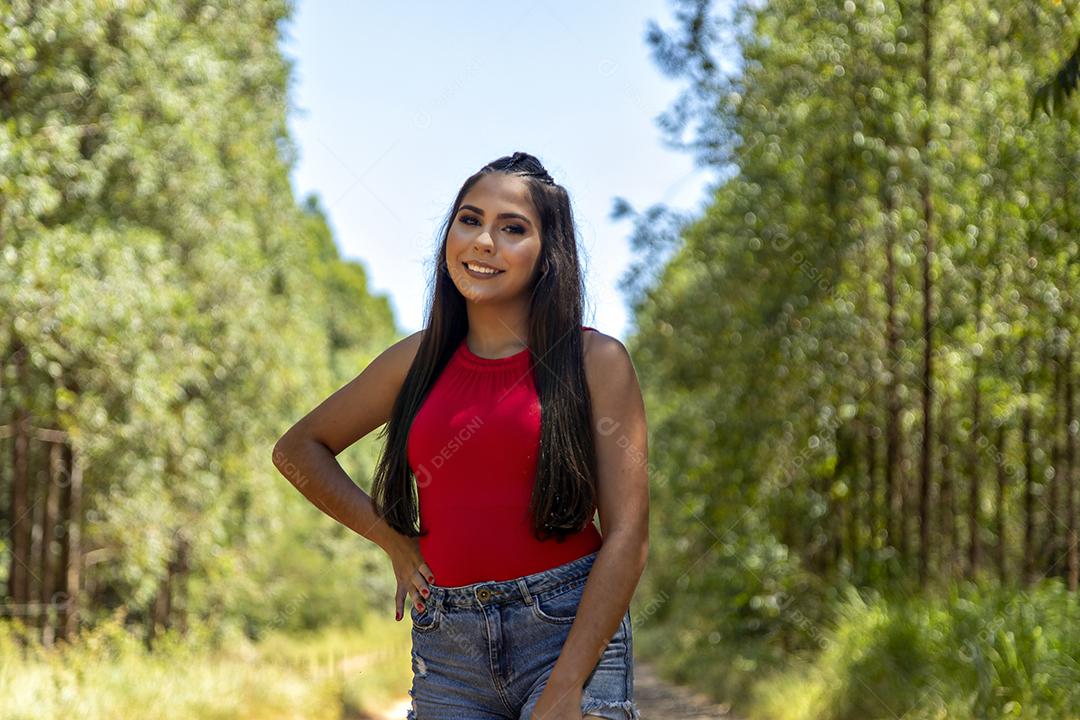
(564, 491)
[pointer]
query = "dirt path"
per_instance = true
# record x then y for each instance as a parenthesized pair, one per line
(656, 698)
(660, 700)
(396, 711)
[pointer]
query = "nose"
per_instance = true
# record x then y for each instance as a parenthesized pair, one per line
(483, 240)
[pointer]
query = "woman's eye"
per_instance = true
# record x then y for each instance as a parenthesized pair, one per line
(517, 229)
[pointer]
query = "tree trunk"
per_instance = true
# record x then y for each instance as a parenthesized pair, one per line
(72, 548)
(169, 602)
(1027, 443)
(1071, 472)
(974, 442)
(1052, 544)
(180, 596)
(928, 297)
(845, 471)
(947, 506)
(159, 612)
(873, 492)
(18, 573)
(48, 532)
(1000, 509)
(854, 496)
(893, 482)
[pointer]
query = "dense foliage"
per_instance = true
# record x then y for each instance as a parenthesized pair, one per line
(169, 309)
(861, 361)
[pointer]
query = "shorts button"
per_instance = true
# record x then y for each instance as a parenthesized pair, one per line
(483, 594)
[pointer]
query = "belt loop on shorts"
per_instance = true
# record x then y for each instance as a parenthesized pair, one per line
(525, 594)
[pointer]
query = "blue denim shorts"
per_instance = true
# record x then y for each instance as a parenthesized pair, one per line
(485, 651)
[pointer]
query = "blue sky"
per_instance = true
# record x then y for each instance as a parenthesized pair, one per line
(397, 103)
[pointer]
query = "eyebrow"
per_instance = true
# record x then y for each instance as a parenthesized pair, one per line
(478, 211)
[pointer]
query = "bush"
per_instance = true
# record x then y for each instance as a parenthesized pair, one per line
(982, 653)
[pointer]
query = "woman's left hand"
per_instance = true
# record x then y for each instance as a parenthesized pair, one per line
(557, 703)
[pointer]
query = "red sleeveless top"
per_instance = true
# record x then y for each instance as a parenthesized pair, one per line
(473, 448)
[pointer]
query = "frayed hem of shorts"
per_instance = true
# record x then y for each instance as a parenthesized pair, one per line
(625, 709)
(410, 712)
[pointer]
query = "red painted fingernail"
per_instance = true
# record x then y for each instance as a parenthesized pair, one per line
(397, 616)
(424, 593)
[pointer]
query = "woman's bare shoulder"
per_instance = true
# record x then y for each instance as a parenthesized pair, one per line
(601, 350)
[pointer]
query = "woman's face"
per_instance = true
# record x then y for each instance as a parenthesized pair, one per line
(496, 226)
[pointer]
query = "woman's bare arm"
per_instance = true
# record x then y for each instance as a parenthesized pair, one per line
(306, 454)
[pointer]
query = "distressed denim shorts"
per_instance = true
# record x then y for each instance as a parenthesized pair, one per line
(485, 651)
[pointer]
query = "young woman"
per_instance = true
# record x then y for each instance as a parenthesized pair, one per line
(515, 423)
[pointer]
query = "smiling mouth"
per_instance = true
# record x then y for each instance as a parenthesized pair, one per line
(482, 273)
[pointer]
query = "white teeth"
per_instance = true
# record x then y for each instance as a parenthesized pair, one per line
(484, 270)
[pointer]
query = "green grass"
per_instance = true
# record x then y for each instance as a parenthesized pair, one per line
(107, 673)
(977, 652)
(981, 653)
